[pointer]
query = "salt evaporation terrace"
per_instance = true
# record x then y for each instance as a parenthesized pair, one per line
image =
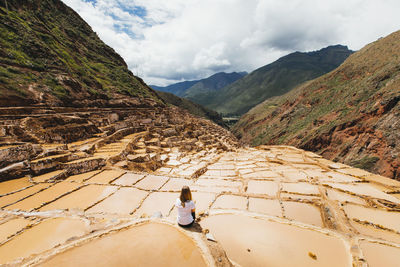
(264, 206)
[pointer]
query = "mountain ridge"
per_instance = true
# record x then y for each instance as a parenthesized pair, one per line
(350, 115)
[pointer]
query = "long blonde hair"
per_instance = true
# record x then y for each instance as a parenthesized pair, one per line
(185, 195)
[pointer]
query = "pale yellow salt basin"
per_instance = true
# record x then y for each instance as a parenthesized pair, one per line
(157, 201)
(128, 179)
(10, 199)
(42, 178)
(105, 177)
(38, 199)
(14, 185)
(254, 242)
(364, 190)
(124, 201)
(79, 178)
(152, 182)
(217, 182)
(11, 227)
(265, 206)
(378, 255)
(302, 188)
(293, 175)
(151, 244)
(41, 237)
(230, 202)
(384, 218)
(302, 212)
(262, 187)
(262, 175)
(176, 184)
(343, 197)
(81, 199)
(373, 232)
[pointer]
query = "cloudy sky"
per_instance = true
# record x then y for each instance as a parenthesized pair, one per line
(166, 41)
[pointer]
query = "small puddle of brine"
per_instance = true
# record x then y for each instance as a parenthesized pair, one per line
(124, 201)
(14, 185)
(254, 242)
(41, 237)
(302, 212)
(378, 255)
(82, 198)
(151, 244)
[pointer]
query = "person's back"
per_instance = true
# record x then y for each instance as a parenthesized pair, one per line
(186, 207)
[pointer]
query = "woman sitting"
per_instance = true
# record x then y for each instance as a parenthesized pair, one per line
(186, 208)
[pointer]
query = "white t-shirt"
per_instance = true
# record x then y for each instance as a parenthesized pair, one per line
(184, 213)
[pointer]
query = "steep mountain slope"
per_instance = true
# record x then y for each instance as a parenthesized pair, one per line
(276, 79)
(193, 108)
(49, 55)
(350, 115)
(203, 91)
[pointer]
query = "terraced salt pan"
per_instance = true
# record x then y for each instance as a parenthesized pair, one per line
(254, 242)
(152, 182)
(41, 237)
(124, 201)
(166, 247)
(44, 196)
(354, 171)
(79, 178)
(370, 231)
(217, 182)
(14, 185)
(11, 227)
(364, 190)
(128, 179)
(81, 199)
(262, 187)
(339, 177)
(45, 177)
(265, 206)
(294, 176)
(221, 166)
(343, 197)
(202, 201)
(302, 212)
(105, 177)
(387, 219)
(176, 184)
(230, 202)
(378, 255)
(157, 201)
(10, 199)
(220, 173)
(300, 188)
(262, 175)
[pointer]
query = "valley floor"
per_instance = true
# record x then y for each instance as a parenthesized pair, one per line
(264, 206)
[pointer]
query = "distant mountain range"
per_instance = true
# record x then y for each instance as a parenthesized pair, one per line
(197, 88)
(350, 115)
(275, 79)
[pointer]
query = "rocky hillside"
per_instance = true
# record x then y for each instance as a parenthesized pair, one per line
(192, 108)
(276, 79)
(350, 115)
(50, 55)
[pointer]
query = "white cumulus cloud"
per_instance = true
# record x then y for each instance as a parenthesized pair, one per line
(169, 41)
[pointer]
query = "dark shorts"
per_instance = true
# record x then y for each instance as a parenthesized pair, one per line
(186, 225)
